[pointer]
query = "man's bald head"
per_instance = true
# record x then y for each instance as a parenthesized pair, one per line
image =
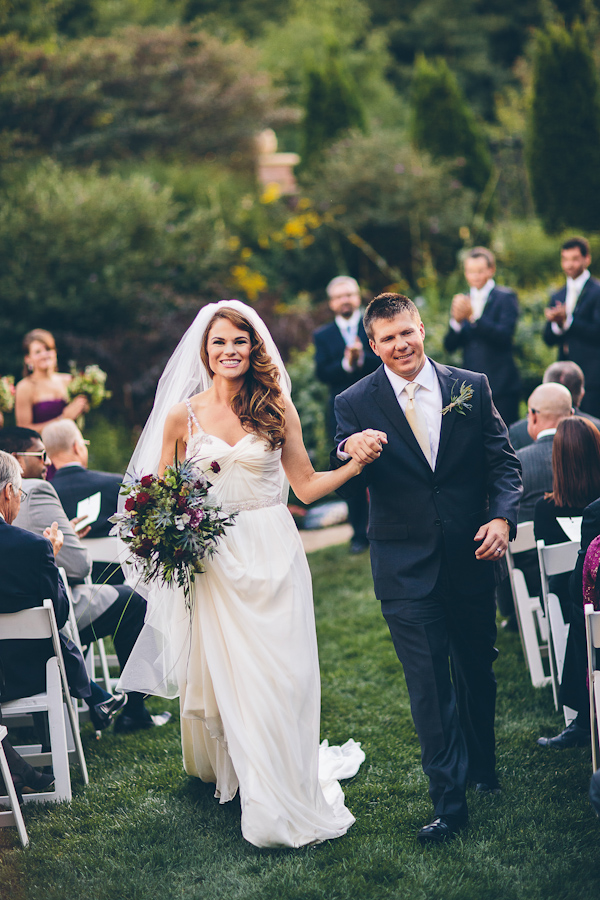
(548, 405)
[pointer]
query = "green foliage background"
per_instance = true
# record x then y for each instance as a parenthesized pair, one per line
(128, 189)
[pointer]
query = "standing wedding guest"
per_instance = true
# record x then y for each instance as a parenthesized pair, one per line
(573, 319)
(575, 484)
(562, 372)
(343, 356)
(444, 494)
(41, 396)
(482, 324)
(244, 659)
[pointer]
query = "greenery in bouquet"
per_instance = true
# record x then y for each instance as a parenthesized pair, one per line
(91, 382)
(171, 525)
(7, 393)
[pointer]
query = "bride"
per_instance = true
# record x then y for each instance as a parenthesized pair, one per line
(245, 667)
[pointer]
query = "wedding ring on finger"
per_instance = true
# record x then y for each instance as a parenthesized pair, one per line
(498, 550)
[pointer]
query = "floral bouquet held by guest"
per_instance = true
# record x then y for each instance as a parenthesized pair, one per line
(89, 383)
(7, 395)
(170, 524)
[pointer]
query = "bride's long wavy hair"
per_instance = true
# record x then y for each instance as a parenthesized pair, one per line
(260, 404)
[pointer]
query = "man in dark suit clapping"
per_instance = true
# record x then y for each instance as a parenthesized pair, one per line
(573, 319)
(483, 323)
(343, 356)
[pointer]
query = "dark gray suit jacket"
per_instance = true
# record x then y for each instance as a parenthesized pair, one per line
(581, 341)
(418, 517)
(536, 461)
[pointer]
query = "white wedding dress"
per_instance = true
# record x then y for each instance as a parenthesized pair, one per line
(249, 681)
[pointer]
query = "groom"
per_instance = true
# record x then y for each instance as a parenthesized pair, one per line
(444, 489)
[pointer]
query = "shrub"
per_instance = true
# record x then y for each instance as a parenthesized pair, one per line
(563, 151)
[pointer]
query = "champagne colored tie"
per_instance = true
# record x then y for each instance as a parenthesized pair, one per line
(416, 419)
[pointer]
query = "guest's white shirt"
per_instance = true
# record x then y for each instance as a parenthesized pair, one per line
(479, 297)
(574, 288)
(349, 331)
(429, 396)
(545, 433)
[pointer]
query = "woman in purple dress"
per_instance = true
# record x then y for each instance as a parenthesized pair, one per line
(41, 396)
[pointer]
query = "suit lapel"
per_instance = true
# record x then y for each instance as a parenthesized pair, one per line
(447, 382)
(384, 396)
(582, 295)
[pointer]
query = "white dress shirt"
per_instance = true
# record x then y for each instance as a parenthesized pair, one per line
(429, 398)
(479, 297)
(349, 331)
(574, 288)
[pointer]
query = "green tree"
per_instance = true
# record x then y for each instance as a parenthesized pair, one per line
(142, 91)
(444, 125)
(563, 152)
(332, 106)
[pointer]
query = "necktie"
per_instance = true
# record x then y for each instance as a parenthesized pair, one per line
(416, 419)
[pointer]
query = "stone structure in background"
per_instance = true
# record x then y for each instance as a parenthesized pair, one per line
(274, 167)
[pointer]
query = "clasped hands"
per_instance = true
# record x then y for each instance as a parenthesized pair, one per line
(461, 308)
(366, 446)
(557, 313)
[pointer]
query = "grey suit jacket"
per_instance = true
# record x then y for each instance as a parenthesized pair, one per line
(38, 511)
(536, 460)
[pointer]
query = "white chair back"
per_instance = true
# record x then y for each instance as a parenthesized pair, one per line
(524, 539)
(14, 816)
(35, 624)
(592, 631)
(105, 549)
(556, 559)
(531, 621)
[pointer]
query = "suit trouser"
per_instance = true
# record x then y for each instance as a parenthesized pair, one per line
(508, 407)
(123, 620)
(435, 636)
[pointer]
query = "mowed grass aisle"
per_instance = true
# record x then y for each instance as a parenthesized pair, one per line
(143, 830)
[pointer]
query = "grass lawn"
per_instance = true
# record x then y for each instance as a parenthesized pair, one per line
(143, 830)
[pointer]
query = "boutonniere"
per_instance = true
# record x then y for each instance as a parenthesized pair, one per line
(460, 401)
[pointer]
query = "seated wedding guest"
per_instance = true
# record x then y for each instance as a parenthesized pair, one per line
(41, 396)
(29, 575)
(73, 480)
(101, 609)
(575, 484)
(573, 691)
(548, 405)
(563, 372)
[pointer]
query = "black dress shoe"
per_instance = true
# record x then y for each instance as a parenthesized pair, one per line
(34, 781)
(486, 788)
(573, 736)
(126, 724)
(440, 830)
(358, 545)
(102, 714)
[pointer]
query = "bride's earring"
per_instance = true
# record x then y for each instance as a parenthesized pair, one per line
(29, 368)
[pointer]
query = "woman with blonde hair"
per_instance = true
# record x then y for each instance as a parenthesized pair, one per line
(246, 665)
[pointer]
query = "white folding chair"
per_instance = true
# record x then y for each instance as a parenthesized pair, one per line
(107, 550)
(556, 559)
(14, 816)
(533, 628)
(39, 623)
(592, 632)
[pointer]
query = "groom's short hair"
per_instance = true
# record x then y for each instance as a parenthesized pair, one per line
(388, 306)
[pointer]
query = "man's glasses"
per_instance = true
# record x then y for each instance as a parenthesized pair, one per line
(41, 454)
(533, 412)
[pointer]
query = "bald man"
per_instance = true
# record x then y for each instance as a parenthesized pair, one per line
(548, 405)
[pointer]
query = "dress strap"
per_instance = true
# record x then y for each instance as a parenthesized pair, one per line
(191, 418)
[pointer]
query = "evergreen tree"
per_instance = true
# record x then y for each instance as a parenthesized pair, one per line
(443, 124)
(332, 106)
(563, 152)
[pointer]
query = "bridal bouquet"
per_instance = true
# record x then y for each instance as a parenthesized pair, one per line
(91, 382)
(7, 393)
(171, 525)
